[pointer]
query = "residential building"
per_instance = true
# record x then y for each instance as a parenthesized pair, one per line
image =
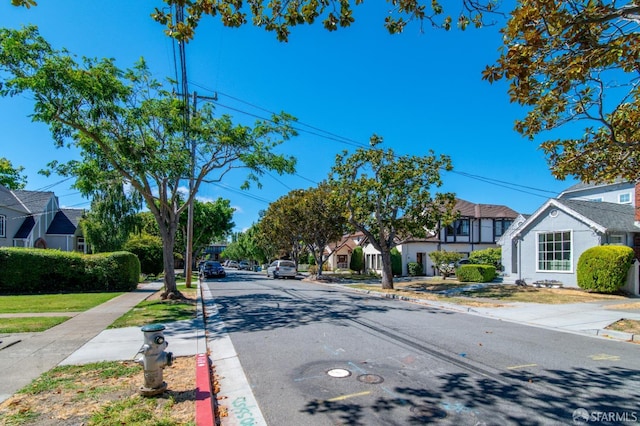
(338, 255)
(479, 226)
(35, 219)
(547, 245)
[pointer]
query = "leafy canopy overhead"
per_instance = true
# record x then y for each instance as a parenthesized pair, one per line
(131, 130)
(577, 62)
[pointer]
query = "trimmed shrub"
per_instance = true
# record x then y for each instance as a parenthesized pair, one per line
(148, 248)
(396, 262)
(604, 269)
(475, 273)
(357, 260)
(445, 261)
(34, 271)
(414, 269)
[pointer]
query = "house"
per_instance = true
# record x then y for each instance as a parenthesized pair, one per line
(479, 226)
(338, 255)
(547, 245)
(35, 219)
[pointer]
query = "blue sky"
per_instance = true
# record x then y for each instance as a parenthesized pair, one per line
(420, 91)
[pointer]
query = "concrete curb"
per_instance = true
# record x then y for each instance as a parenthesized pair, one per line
(205, 414)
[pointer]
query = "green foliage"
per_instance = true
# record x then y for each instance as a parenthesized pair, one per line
(415, 269)
(445, 261)
(280, 17)
(357, 260)
(389, 195)
(604, 269)
(476, 273)
(570, 63)
(10, 176)
(488, 256)
(148, 248)
(311, 259)
(33, 271)
(129, 129)
(396, 262)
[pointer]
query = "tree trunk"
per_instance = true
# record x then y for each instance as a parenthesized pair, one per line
(387, 270)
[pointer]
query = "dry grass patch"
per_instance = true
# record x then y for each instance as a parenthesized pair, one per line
(550, 296)
(626, 306)
(626, 325)
(103, 393)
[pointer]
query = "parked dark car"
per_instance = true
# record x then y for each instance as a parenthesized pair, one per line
(213, 269)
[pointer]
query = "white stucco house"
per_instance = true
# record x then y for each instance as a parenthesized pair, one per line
(547, 245)
(478, 227)
(35, 219)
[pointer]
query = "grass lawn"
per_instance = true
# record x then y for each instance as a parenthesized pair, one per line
(29, 324)
(73, 302)
(156, 310)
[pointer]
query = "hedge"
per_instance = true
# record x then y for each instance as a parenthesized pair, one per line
(604, 269)
(38, 271)
(476, 273)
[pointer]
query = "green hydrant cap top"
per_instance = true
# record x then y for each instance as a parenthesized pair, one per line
(153, 327)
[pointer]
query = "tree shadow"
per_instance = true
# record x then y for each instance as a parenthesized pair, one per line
(274, 310)
(548, 397)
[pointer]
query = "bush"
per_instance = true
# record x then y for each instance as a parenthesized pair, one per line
(488, 256)
(445, 261)
(604, 269)
(357, 260)
(148, 248)
(396, 262)
(33, 271)
(476, 273)
(414, 269)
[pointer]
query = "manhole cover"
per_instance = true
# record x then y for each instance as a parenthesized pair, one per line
(370, 378)
(339, 372)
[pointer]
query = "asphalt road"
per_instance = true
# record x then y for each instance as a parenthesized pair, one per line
(319, 355)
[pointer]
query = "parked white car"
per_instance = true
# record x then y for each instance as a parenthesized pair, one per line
(282, 268)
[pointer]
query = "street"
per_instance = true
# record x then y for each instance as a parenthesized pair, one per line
(320, 355)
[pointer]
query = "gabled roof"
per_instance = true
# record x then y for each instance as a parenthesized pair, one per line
(35, 201)
(65, 222)
(581, 186)
(495, 211)
(601, 216)
(9, 200)
(25, 228)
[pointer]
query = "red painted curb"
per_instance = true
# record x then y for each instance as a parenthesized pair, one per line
(204, 396)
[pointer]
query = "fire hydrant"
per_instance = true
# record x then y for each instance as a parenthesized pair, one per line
(154, 359)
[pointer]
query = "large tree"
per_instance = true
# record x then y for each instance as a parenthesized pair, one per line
(576, 65)
(10, 176)
(388, 196)
(212, 221)
(311, 219)
(124, 121)
(281, 226)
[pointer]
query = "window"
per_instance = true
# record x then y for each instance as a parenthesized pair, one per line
(624, 198)
(459, 228)
(599, 200)
(500, 226)
(616, 239)
(3, 226)
(554, 251)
